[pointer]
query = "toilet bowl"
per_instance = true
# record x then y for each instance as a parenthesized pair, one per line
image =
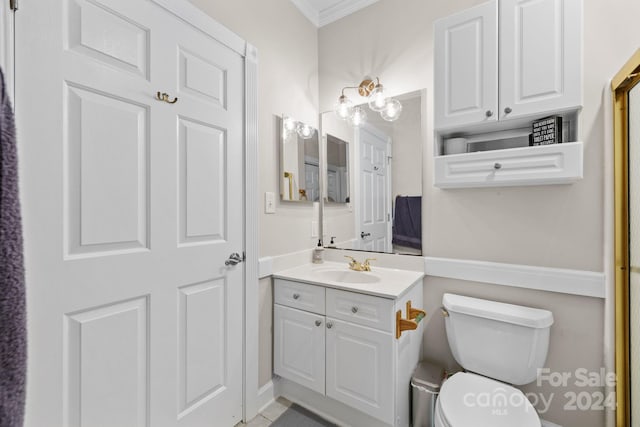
(471, 400)
(498, 345)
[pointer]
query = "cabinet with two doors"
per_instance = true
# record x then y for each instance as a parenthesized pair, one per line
(497, 67)
(342, 347)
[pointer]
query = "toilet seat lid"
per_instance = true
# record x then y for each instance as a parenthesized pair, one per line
(472, 400)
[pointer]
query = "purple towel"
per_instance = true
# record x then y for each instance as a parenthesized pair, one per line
(13, 332)
(407, 222)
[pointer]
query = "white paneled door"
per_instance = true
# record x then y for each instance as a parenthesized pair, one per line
(375, 206)
(132, 205)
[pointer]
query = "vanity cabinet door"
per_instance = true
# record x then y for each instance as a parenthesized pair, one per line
(360, 368)
(466, 67)
(540, 56)
(299, 347)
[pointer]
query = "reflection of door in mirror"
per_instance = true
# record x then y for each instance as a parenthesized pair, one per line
(299, 161)
(373, 221)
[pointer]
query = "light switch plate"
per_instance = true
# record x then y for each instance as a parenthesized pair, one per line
(269, 202)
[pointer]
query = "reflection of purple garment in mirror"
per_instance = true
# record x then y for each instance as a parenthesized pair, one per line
(13, 335)
(407, 222)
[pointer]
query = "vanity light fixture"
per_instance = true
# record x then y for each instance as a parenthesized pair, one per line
(388, 108)
(304, 130)
(290, 125)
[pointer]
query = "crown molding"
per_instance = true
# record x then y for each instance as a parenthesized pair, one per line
(342, 9)
(307, 9)
(331, 14)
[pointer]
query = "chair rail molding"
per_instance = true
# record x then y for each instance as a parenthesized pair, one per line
(566, 281)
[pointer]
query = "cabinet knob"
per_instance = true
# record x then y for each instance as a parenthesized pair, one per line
(507, 110)
(489, 113)
(497, 166)
(354, 310)
(296, 296)
(329, 325)
(318, 322)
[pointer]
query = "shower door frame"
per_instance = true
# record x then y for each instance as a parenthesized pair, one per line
(621, 84)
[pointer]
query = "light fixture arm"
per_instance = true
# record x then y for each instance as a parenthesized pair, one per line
(388, 108)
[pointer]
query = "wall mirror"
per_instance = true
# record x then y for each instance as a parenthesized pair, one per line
(299, 161)
(381, 210)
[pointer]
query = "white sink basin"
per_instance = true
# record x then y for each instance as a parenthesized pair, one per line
(347, 276)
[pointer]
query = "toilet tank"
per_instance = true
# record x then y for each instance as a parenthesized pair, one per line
(502, 341)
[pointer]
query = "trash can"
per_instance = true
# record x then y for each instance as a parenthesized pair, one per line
(425, 386)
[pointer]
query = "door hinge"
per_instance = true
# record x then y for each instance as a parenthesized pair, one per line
(13, 5)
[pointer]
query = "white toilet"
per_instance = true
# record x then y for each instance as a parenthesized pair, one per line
(497, 344)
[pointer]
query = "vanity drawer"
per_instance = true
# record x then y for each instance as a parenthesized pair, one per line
(299, 295)
(365, 310)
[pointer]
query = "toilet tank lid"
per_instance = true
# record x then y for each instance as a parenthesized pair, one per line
(510, 313)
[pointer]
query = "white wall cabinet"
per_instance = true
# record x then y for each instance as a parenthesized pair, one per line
(539, 165)
(345, 354)
(540, 56)
(466, 67)
(535, 47)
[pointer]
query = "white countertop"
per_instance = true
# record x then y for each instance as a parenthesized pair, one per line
(390, 283)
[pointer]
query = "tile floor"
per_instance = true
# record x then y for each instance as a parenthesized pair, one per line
(269, 415)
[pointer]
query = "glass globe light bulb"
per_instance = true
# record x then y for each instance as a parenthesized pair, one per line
(305, 131)
(289, 125)
(377, 99)
(344, 107)
(359, 117)
(392, 110)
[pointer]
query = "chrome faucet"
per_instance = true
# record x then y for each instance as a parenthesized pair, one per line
(357, 266)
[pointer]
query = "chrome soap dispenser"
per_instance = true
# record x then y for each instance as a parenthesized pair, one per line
(317, 253)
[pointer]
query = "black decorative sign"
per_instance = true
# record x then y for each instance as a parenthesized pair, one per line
(547, 131)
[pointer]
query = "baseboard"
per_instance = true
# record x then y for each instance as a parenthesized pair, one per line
(331, 410)
(266, 396)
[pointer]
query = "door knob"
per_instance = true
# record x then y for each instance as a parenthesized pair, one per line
(354, 309)
(296, 296)
(488, 113)
(318, 322)
(329, 325)
(507, 110)
(363, 235)
(233, 259)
